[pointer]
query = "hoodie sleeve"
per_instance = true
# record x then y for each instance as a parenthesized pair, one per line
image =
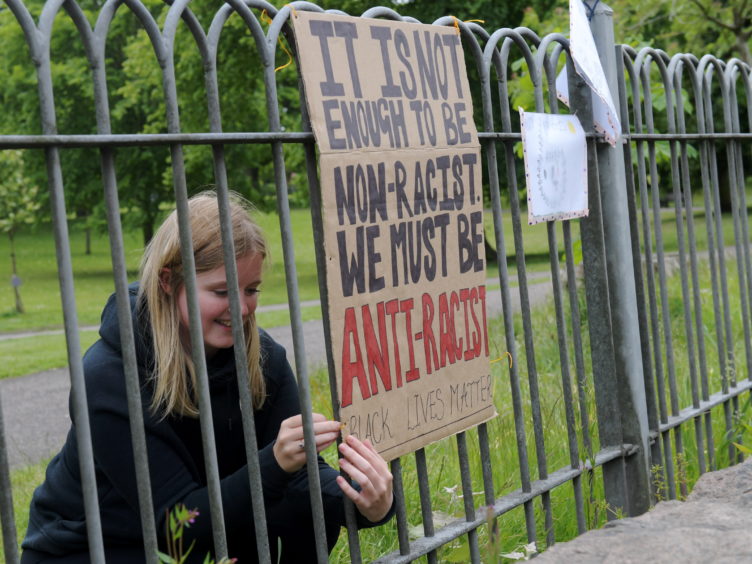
(284, 403)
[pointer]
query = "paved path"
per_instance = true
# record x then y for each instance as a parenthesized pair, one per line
(35, 407)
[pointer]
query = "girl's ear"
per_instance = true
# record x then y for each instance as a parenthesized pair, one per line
(164, 280)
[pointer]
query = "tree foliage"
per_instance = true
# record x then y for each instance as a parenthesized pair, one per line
(136, 101)
(136, 92)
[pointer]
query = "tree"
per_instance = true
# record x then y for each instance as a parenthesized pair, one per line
(18, 206)
(696, 26)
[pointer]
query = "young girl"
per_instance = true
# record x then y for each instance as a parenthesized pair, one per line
(57, 528)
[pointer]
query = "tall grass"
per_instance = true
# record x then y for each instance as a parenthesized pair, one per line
(442, 459)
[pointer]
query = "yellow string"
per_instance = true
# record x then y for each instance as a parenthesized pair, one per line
(268, 20)
(506, 354)
(457, 23)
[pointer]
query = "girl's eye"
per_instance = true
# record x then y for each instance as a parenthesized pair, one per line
(252, 291)
(220, 293)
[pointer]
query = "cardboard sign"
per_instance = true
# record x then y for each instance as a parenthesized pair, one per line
(402, 205)
(555, 166)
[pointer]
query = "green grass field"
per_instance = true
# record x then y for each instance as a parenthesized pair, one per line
(37, 268)
(93, 284)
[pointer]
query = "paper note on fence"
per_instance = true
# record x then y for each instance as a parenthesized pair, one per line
(588, 66)
(600, 111)
(555, 166)
(402, 209)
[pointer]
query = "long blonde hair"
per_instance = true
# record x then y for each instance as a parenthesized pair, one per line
(174, 374)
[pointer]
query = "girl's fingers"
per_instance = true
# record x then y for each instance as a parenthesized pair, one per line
(348, 490)
(364, 456)
(321, 425)
(366, 486)
(289, 449)
(366, 467)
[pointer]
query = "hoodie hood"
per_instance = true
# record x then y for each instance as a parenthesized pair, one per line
(109, 329)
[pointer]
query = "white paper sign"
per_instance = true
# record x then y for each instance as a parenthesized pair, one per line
(555, 166)
(600, 112)
(588, 66)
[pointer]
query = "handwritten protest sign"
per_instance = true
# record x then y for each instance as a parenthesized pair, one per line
(555, 166)
(402, 209)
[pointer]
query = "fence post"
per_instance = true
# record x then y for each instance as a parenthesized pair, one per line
(621, 282)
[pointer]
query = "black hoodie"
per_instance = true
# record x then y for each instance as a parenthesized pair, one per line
(57, 523)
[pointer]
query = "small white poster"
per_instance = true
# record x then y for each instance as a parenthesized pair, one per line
(555, 166)
(601, 122)
(588, 66)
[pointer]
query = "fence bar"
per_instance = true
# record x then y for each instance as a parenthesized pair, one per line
(401, 510)
(719, 398)
(241, 360)
(566, 384)
(291, 279)
(39, 45)
(646, 343)
(425, 502)
(739, 213)
(696, 298)
(513, 500)
(492, 57)
(262, 137)
(678, 195)
(705, 151)
(95, 52)
(130, 365)
(7, 519)
(579, 362)
(467, 495)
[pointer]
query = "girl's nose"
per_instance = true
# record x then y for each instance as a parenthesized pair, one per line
(248, 304)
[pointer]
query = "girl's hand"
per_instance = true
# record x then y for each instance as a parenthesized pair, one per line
(289, 450)
(364, 465)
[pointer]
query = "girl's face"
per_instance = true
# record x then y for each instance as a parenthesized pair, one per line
(214, 301)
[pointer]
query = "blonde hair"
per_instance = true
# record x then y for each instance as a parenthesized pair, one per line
(174, 373)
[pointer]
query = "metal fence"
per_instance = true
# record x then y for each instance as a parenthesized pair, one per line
(640, 360)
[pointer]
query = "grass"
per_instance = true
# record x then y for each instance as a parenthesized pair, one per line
(23, 483)
(442, 460)
(444, 475)
(29, 355)
(44, 352)
(92, 273)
